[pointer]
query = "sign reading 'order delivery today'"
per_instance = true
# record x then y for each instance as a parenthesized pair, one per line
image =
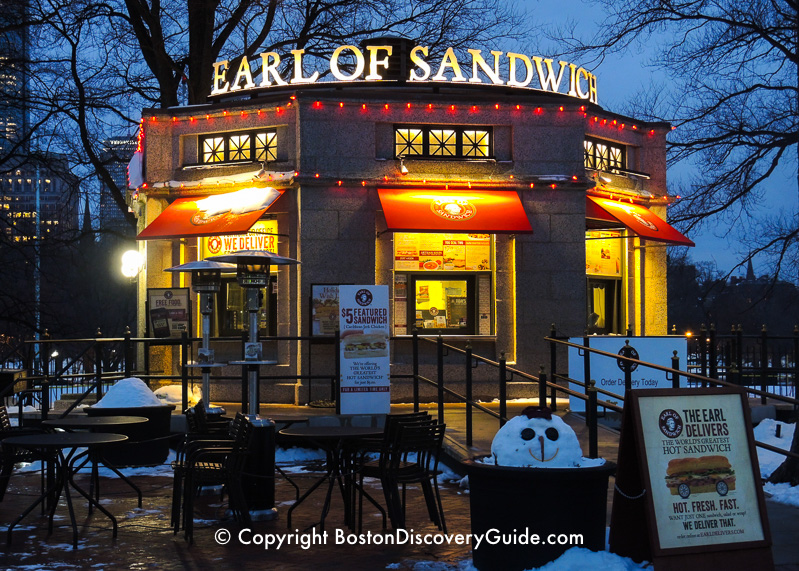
(365, 365)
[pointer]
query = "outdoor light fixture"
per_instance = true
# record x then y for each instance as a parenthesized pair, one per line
(132, 263)
(403, 168)
(252, 273)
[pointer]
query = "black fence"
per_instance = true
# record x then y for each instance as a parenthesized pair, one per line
(768, 362)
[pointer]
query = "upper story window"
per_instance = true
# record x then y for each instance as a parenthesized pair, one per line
(604, 155)
(448, 142)
(254, 146)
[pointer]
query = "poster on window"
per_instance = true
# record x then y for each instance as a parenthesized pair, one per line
(168, 310)
(603, 253)
(324, 310)
(364, 352)
(442, 252)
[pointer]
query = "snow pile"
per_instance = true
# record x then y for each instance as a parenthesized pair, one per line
(538, 439)
(766, 432)
(173, 394)
(127, 393)
(579, 559)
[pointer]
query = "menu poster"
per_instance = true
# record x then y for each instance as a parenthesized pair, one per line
(168, 311)
(442, 252)
(364, 386)
(324, 310)
(695, 452)
(603, 253)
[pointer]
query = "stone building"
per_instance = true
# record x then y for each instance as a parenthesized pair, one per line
(491, 206)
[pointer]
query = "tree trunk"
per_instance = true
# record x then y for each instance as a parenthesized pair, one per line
(201, 53)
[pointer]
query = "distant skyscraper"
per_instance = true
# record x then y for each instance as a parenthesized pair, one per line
(58, 210)
(115, 155)
(14, 44)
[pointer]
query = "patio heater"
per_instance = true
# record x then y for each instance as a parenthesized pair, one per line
(206, 280)
(252, 274)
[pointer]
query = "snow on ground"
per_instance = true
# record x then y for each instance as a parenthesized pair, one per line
(766, 432)
(575, 559)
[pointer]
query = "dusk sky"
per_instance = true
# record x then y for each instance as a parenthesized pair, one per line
(619, 79)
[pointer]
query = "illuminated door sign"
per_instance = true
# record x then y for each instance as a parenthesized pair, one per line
(349, 63)
(262, 236)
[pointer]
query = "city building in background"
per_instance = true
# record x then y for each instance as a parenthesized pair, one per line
(116, 154)
(13, 77)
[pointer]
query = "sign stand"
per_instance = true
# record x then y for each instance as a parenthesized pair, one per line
(688, 492)
(364, 363)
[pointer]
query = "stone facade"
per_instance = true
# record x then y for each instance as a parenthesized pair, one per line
(339, 141)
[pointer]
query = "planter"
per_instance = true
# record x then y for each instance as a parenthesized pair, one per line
(519, 501)
(141, 448)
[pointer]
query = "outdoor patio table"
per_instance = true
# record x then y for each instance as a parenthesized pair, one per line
(337, 442)
(53, 447)
(98, 424)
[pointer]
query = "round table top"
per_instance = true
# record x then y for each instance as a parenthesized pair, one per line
(93, 421)
(64, 439)
(331, 432)
(284, 419)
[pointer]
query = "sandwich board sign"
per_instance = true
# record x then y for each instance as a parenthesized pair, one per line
(364, 350)
(688, 469)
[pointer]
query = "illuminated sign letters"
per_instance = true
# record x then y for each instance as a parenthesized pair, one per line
(540, 74)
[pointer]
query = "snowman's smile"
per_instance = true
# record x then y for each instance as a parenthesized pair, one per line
(542, 459)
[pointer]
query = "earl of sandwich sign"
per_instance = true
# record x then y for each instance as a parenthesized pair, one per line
(349, 63)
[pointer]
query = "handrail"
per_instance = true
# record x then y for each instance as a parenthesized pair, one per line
(674, 374)
(672, 371)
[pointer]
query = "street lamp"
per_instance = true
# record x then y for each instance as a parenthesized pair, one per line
(206, 280)
(132, 263)
(252, 273)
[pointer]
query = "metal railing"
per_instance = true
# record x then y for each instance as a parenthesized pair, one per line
(762, 360)
(672, 374)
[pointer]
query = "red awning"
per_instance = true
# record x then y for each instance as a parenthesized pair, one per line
(637, 218)
(464, 211)
(218, 214)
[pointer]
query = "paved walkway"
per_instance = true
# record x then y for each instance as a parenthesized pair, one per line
(146, 541)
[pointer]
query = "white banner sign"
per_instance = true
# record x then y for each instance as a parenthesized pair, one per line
(608, 373)
(365, 363)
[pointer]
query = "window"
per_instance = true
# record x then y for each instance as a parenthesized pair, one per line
(442, 283)
(258, 146)
(604, 268)
(603, 155)
(450, 142)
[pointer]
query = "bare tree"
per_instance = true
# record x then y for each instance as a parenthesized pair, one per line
(93, 65)
(732, 94)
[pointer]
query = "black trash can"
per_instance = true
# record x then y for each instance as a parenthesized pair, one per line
(516, 503)
(141, 448)
(258, 481)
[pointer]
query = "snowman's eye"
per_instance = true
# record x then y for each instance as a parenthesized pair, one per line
(528, 434)
(552, 433)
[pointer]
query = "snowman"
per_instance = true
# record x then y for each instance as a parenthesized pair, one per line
(536, 438)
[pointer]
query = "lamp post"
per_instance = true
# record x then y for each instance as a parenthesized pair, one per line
(206, 280)
(252, 273)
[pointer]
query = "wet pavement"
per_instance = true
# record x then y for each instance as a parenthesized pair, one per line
(145, 539)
